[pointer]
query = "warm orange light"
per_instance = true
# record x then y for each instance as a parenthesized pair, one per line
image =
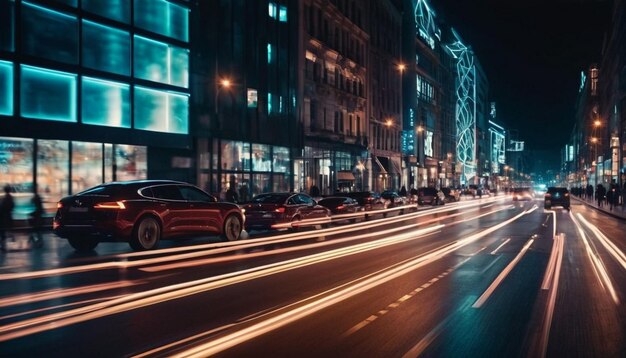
(388, 123)
(597, 123)
(594, 140)
(402, 67)
(225, 83)
(420, 128)
(111, 205)
(59, 205)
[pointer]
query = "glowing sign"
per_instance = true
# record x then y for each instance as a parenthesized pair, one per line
(408, 135)
(425, 21)
(583, 79)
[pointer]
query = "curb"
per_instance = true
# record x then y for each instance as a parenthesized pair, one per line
(607, 212)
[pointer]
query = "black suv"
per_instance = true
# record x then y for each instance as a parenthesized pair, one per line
(556, 196)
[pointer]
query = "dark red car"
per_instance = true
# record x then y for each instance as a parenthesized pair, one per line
(142, 213)
(284, 210)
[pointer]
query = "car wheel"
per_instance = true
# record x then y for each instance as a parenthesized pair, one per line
(232, 228)
(146, 235)
(82, 244)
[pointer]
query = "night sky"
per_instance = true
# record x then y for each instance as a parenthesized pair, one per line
(533, 52)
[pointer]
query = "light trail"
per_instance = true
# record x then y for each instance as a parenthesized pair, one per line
(559, 248)
(499, 247)
(617, 254)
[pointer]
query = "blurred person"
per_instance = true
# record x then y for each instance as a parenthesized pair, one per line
(243, 193)
(589, 192)
(600, 193)
(6, 215)
(231, 195)
(36, 220)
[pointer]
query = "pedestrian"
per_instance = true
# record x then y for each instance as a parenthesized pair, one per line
(231, 195)
(6, 216)
(600, 194)
(314, 191)
(36, 220)
(609, 197)
(243, 193)
(402, 191)
(589, 192)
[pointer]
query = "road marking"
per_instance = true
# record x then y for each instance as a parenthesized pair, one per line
(547, 321)
(485, 296)
(499, 247)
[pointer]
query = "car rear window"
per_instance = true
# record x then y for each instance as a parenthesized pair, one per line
(270, 198)
(100, 190)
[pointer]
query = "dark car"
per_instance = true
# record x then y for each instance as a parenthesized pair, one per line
(280, 210)
(556, 197)
(393, 199)
(430, 196)
(340, 205)
(519, 194)
(142, 213)
(451, 194)
(367, 199)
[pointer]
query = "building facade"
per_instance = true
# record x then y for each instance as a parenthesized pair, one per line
(90, 92)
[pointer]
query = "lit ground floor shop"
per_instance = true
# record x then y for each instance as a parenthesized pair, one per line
(57, 168)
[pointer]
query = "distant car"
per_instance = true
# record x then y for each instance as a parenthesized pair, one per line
(367, 199)
(539, 191)
(142, 213)
(556, 196)
(340, 205)
(430, 196)
(273, 210)
(393, 198)
(519, 194)
(451, 194)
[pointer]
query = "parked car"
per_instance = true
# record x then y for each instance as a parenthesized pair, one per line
(273, 210)
(367, 199)
(142, 213)
(556, 196)
(340, 205)
(393, 199)
(522, 194)
(451, 194)
(430, 196)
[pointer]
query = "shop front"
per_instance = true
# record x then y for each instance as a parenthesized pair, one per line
(329, 170)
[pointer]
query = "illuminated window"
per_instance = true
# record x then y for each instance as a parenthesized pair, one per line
(161, 111)
(159, 62)
(113, 9)
(105, 48)
(49, 34)
(252, 98)
(16, 170)
(162, 17)
(269, 53)
(271, 7)
(6, 88)
(86, 165)
(47, 94)
(280, 160)
(52, 172)
(105, 103)
(261, 160)
(131, 162)
(269, 103)
(7, 25)
(282, 14)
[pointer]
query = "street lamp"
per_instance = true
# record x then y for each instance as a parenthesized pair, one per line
(389, 123)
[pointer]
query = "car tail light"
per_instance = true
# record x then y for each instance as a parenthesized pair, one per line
(115, 205)
(55, 225)
(59, 205)
(566, 194)
(341, 207)
(280, 210)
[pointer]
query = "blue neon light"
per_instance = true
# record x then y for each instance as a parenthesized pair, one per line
(47, 94)
(105, 103)
(6, 88)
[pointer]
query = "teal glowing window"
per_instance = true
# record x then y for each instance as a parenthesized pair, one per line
(47, 94)
(280, 104)
(105, 103)
(6, 88)
(106, 48)
(113, 9)
(7, 25)
(269, 53)
(271, 9)
(49, 34)
(160, 62)
(162, 17)
(282, 13)
(269, 103)
(161, 111)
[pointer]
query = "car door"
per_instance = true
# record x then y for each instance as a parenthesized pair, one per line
(310, 208)
(203, 212)
(173, 209)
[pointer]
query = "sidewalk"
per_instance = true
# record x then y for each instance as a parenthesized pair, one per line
(617, 212)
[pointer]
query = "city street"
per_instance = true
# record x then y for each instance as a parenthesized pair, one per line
(483, 277)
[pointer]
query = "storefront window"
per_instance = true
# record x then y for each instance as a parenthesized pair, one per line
(6, 88)
(47, 94)
(108, 163)
(16, 170)
(261, 160)
(106, 48)
(52, 172)
(280, 183)
(131, 162)
(235, 156)
(239, 182)
(260, 184)
(49, 34)
(86, 165)
(280, 160)
(105, 103)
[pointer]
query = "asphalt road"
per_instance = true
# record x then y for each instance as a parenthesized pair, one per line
(488, 277)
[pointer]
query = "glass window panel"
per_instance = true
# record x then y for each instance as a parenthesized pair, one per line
(260, 184)
(105, 103)
(108, 162)
(86, 165)
(49, 34)
(131, 162)
(159, 62)
(163, 17)
(280, 183)
(106, 48)
(47, 94)
(239, 182)
(16, 170)
(7, 25)
(6, 88)
(261, 160)
(235, 156)
(282, 14)
(271, 8)
(280, 160)
(161, 111)
(113, 9)
(53, 160)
